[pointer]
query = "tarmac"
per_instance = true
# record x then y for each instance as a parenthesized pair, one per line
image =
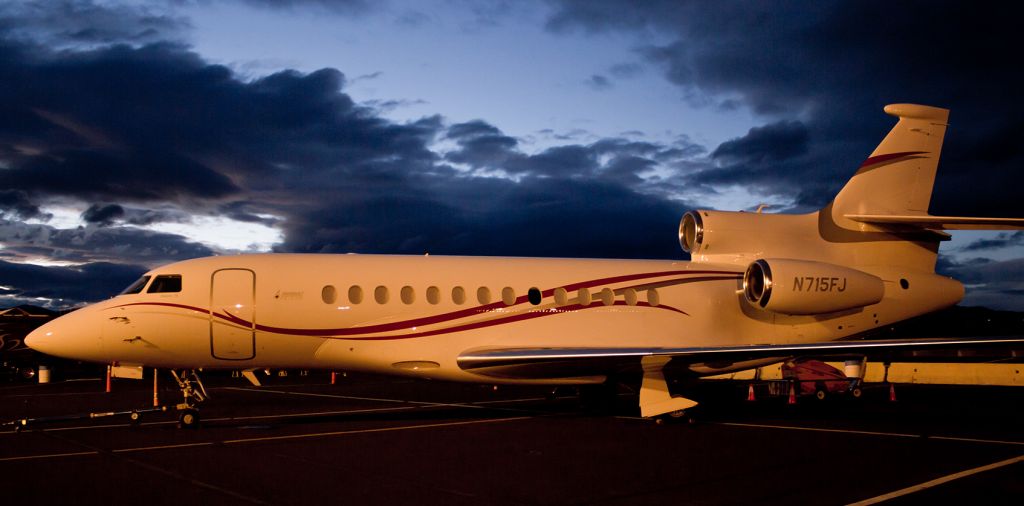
(381, 440)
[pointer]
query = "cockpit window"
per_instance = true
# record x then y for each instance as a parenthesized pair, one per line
(136, 287)
(166, 283)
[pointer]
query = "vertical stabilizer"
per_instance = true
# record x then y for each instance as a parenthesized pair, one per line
(898, 176)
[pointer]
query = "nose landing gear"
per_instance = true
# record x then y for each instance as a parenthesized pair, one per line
(193, 393)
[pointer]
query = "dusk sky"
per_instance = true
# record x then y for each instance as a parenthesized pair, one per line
(137, 133)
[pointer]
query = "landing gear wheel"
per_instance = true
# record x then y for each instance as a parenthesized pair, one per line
(134, 418)
(820, 391)
(193, 392)
(188, 419)
(678, 416)
(856, 392)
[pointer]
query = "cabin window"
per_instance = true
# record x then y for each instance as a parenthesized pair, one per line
(607, 296)
(584, 297)
(508, 295)
(355, 294)
(459, 295)
(534, 295)
(136, 287)
(329, 294)
(433, 295)
(380, 294)
(630, 295)
(653, 298)
(561, 296)
(408, 295)
(904, 284)
(167, 283)
(483, 295)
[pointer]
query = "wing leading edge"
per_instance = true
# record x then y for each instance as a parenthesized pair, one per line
(578, 362)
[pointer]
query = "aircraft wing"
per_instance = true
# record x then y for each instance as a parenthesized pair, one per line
(940, 222)
(582, 362)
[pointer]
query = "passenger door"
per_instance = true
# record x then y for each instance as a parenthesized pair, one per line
(233, 315)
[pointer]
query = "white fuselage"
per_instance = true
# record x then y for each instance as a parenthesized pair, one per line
(404, 314)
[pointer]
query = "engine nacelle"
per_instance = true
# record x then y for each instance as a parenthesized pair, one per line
(739, 238)
(802, 287)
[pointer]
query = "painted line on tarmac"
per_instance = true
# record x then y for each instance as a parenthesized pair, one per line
(421, 404)
(47, 456)
(311, 394)
(264, 439)
(370, 431)
(938, 481)
(975, 440)
(472, 405)
(870, 433)
(817, 429)
(164, 447)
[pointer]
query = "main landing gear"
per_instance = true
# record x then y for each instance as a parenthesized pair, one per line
(193, 393)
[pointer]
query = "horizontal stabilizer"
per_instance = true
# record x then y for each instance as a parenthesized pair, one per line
(566, 362)
(940, 222)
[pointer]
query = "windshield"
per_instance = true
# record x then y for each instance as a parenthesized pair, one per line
(136, 287)
(166, 284)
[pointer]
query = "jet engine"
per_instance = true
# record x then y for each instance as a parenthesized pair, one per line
(739, 238)
(802, 287)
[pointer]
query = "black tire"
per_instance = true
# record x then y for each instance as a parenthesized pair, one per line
(188, 419)
(856, 392)
(820, 395)
(682, 416)
(135, 418)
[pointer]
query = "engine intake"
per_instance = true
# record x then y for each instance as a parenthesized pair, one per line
(691, 231)
(802, 287)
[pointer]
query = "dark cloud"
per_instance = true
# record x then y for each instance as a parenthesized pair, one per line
(103, 215)
(334, 6)
(78, 22)
(157, 124)
(16, 204)
(482, 145)
(770, 143)
(832, 66)
(65, 286)
(90, 244)
(472, 130)
(772, 160)
(989, 283)
(613, 160)
(99, 173)
(598, 82)
(626, 70)
(487, 216)
(1002, 240)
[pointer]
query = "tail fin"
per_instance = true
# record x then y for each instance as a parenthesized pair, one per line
(897, 178)
(893, 187)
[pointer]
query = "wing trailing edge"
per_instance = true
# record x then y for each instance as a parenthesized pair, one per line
(567, 362)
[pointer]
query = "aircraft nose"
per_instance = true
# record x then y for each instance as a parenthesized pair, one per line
(69, 336)
(40, 339)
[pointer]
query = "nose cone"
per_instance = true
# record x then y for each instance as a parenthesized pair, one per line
(39, 339)
(70, 336)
